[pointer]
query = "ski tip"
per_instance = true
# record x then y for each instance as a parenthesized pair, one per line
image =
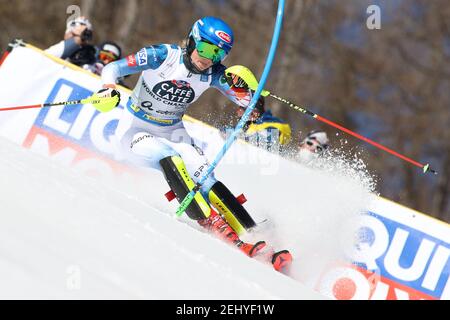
(282, 260)
(252, 250)
(256, 248)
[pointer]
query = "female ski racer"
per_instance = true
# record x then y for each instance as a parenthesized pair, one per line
(151, 132)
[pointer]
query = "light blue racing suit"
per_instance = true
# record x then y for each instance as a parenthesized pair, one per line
(151, 126)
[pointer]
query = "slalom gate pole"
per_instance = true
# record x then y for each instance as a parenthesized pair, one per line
(425, 167)
(273, 47)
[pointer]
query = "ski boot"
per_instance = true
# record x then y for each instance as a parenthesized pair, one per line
(239, 220)
(236, 221)
(217, 225)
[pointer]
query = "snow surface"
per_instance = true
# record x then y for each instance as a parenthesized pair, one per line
(67, 235)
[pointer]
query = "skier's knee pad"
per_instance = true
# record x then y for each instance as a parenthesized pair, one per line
(227, 204)
(181, 184)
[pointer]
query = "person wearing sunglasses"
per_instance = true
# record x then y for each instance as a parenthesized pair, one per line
(151, 133)
(108, 52)
(104, 54)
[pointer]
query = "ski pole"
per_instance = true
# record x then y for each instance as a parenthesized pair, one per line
(249, 78)
(101, 104)
(425, 167)
(190, 196)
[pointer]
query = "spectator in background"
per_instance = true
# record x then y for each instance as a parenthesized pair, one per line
(76, 46)
(106, 53)
(265, 130)
(314, 144)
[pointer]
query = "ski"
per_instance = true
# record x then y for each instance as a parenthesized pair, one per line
(261, 251)
(280, 260)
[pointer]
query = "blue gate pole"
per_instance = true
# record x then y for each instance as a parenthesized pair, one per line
(273, 48)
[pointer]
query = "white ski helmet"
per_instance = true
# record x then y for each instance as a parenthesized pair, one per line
(318, 138)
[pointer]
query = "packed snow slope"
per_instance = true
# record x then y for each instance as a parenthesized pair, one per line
(65, 234)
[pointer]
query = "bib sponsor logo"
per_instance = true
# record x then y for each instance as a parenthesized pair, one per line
(147, 107)
(175, 91)
(181, 83)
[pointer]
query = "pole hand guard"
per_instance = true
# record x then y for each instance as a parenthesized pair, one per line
(245, 75)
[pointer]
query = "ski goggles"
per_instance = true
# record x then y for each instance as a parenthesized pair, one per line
(210, 51)
(107, 57)
(313, 143)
